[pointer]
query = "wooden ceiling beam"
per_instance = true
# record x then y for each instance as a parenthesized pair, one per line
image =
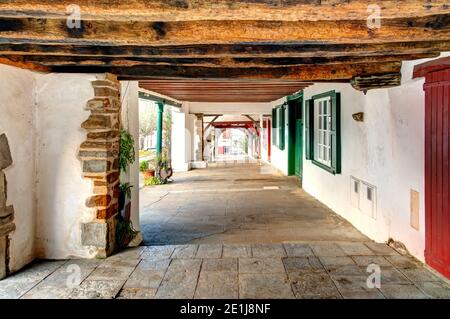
(163, 10)
(109, 32)
(308, 73)
(365, 83)
(237, 50)
(51, 61)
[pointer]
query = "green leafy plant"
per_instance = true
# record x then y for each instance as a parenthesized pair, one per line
(143, 166)
(154, 180)
(125, 233)
(126, 150)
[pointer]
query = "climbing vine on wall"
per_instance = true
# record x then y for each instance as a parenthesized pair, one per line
(126, 151)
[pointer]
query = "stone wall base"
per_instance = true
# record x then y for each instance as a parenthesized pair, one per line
(99, 155)
(6, 212)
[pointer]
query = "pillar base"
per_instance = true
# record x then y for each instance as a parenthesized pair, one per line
(199, 164)
(100, 234)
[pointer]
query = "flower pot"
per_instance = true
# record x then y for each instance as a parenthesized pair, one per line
(122, 197)
(149, 173)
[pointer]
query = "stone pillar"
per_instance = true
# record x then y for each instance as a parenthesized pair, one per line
(6, 212)
(199, 137)
(159, 127)
(100, 163)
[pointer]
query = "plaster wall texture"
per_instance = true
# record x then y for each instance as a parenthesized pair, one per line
(17, 112)
(61, 191)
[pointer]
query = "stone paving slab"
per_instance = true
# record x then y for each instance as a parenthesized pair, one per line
(260, 265)
(262, 286)
(299, 270)
(217, 285)
(355, 249)
(298, 250)
(268, 250)
(316, 285)
(209, 251)
(327, 250)
(302, 264)
(185, 251)
(402, 292)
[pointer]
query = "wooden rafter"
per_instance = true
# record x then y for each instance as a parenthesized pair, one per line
(212, 121)
(185, 10)
(237, 50)
(108, 32)
(285, 40)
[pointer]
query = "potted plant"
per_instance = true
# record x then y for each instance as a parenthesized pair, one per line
(124, 194)
(124, 230)
(164, 167)
(147, 168)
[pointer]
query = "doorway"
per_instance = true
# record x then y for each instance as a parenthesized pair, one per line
(437, 132)
(295, 135)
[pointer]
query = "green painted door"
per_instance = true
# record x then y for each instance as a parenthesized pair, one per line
(299, 147)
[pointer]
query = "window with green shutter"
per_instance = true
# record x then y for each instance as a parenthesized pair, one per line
(274, 126)
(278, 126)
(322, 131)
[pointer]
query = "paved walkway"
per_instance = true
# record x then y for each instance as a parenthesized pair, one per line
(245, 232)
(237, 203)
(296, 270)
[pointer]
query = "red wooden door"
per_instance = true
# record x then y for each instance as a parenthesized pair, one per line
(267, 125)
(437, 199)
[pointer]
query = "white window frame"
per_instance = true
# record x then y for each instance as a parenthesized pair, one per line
(322, 130)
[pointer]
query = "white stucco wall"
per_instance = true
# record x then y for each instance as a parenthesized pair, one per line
(17, 111)
(182, 138)
(279, 158)
(130, 121)
(61, 189)
(387, 151)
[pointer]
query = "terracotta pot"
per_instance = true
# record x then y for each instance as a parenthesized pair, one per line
(149, 173)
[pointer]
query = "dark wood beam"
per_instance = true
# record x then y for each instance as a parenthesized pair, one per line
(212, 121)
(307, 73)
(52, 61)
(110, 32)
(237, 50)
(184, 10)
(365, 83)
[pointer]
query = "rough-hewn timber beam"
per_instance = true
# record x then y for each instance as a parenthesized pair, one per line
(365, 83)
(300, 73)
(52, 61)
(163, 10)
(237, 50)
(436, 27)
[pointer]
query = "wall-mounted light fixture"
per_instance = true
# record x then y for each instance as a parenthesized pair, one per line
(358, 117)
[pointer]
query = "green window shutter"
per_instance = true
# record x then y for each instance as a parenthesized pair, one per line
(336, 132)
(274, 126)
(281, 126)
(308, 123)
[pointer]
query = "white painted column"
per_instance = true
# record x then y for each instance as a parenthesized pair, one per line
(130, 121)
(180, 140)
